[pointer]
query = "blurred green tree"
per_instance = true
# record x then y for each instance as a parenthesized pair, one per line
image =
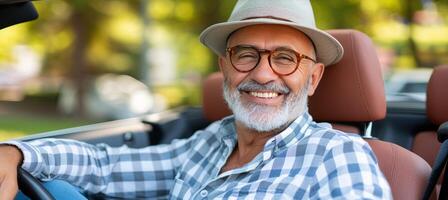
(79, 39)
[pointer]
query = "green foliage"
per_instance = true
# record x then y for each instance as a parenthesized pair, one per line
(180, 94)
(113, 33)
(19, 126)
(337, 14)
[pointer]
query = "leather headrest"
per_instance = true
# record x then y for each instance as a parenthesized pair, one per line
(213, 104)
(350, 91)
(437, 96)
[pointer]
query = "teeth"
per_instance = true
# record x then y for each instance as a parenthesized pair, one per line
(264, 94)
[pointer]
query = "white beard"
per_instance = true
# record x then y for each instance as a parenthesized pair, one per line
(264, 118)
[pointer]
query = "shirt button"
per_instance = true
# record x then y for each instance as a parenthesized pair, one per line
(204, 193)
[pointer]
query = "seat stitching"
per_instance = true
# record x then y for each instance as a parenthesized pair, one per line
(354, 52)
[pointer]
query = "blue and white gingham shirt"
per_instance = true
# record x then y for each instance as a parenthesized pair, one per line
(308, 160)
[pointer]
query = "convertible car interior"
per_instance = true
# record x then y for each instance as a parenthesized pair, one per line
(350, 96)
(399, 136)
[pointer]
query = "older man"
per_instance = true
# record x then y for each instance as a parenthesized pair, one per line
(272, 57)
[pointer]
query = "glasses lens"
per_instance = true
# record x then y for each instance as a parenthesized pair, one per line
(244, 58)
(284, 61)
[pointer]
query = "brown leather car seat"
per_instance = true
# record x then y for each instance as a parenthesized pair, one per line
(350, 91)
(425, 143)
(437, 112)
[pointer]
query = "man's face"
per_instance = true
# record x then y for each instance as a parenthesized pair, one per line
(261, 99)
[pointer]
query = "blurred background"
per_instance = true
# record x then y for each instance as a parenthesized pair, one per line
(85, 61)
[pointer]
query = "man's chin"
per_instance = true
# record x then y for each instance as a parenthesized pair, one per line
(261, 121)
(262, 127)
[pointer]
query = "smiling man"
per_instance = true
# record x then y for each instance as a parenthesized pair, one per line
(272, 57)
(267, 83)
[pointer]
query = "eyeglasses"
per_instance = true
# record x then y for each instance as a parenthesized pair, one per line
(283, 61)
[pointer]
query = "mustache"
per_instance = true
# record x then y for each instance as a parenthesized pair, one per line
(271, 86)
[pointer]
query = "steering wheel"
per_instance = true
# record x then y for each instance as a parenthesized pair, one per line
(32, 187)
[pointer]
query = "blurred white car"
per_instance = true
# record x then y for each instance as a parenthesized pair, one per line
(408, 85)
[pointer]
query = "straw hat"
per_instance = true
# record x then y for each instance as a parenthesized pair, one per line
(297, 14)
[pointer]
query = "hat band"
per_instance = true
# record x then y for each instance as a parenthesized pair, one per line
(268, 17)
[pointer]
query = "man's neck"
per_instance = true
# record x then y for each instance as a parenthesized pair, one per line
(249, 144)
(250, 139)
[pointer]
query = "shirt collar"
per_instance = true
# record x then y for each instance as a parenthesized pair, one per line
(292, 134)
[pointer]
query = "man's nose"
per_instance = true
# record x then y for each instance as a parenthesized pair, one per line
(263, 72)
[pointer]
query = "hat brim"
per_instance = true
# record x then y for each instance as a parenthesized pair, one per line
(328, 49)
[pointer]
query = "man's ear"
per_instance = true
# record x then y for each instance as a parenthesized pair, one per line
(316, 74)
(221, 63)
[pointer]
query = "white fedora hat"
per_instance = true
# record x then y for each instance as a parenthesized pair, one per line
(297, 14)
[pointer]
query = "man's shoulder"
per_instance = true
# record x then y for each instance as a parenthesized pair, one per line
(335, 137)
(322, 145)
(324, 139)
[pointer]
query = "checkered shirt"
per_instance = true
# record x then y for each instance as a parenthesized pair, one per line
(307, 160)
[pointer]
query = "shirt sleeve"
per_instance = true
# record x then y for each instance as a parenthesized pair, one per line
(119, 172)
(349, 171)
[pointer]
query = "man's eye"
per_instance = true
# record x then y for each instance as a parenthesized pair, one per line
(284, 58)
(246, 55)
